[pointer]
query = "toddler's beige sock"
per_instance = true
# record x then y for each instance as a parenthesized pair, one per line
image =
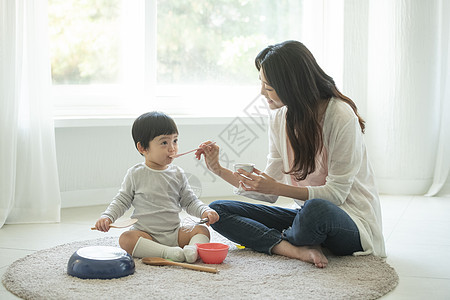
(148, 248)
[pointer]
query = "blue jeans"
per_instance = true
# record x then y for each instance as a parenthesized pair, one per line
(261, 227)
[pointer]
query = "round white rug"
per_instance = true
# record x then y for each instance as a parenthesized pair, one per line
(243, 274)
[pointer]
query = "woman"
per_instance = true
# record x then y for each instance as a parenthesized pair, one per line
(317, 157)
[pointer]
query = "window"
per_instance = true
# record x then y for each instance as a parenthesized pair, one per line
(119, 57)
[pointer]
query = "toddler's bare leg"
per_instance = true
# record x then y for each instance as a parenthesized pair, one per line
(128, 239)
(185, 237)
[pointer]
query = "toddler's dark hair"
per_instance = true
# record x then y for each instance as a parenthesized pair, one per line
(150, 125)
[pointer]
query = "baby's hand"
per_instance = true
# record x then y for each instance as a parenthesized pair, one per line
(103, 224)
(212, 216)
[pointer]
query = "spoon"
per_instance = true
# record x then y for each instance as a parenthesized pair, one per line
(120, 224)
(181, 154)
(158, 261)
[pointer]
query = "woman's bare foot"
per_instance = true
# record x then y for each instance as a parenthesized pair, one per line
(311, 254)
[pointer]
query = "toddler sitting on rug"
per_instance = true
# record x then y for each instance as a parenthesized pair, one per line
(158, 191)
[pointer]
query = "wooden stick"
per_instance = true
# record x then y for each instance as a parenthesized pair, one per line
(157, 261)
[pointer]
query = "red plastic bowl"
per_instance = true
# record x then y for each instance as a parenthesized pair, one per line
(212, 253)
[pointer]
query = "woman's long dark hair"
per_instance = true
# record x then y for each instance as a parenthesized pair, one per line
(301, 85)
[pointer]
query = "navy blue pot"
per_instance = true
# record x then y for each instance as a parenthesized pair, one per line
(100, 262)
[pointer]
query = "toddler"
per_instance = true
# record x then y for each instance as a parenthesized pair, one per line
(158, 191)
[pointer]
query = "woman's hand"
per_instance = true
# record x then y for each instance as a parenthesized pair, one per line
(257, 182)
(211, 152)
(103, 224)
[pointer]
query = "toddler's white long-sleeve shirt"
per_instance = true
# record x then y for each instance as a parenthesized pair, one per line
(158, 196)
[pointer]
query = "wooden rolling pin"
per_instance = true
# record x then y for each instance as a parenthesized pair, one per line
(158, 261)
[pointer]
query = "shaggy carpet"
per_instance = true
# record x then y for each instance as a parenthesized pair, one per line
(243, 274)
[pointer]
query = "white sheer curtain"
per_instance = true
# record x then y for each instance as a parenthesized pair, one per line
(29, 186)
(396, 67)
(442, 168)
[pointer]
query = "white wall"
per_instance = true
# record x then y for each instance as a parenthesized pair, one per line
(93, 156)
